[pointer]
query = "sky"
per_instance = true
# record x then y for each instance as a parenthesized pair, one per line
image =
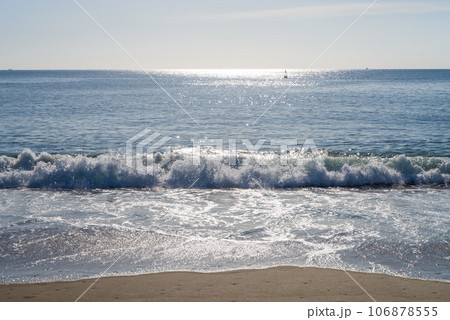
(179, 34)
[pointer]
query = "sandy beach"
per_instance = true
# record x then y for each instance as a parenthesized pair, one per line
(272, 284)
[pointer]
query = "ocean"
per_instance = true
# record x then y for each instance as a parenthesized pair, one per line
(130, 172)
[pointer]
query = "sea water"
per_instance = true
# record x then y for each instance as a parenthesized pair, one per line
(362, 182)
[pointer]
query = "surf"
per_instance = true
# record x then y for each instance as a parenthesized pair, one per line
(177, 169)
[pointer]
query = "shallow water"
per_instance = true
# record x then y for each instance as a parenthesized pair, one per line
(49, 235)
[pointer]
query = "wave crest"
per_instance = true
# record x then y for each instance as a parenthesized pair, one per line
(253, 170)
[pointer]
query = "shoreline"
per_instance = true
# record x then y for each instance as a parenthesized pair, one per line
(282, 283)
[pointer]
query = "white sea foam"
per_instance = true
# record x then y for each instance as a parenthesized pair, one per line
(251, 171)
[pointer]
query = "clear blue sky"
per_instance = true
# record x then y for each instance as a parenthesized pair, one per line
(56, 34)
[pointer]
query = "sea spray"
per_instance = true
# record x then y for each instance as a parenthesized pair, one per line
(110, 171)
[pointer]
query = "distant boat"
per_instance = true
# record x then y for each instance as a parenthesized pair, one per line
(285, 74)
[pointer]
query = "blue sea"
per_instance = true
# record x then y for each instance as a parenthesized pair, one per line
(223, 169)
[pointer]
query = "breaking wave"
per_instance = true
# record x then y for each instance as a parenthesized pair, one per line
(250, 170)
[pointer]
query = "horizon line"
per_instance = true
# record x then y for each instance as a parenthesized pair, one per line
(174, 69)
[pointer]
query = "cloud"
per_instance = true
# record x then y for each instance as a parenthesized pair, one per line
(322, 11)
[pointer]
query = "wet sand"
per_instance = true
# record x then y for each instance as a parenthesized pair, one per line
(272, 284)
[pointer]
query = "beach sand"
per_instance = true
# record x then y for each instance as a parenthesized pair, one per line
(272, 284)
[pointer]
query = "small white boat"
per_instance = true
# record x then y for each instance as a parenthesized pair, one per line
(285, 74)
